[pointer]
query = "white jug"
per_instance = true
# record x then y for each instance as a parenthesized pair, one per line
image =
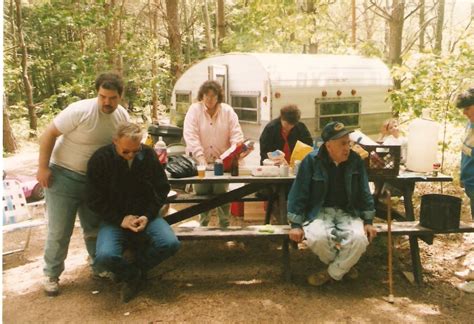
(423, 136)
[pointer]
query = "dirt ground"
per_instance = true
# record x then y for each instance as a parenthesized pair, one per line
(213, 282)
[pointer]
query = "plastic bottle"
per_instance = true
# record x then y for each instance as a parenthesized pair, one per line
(160, 149)
(218, 167)
(234, 168)
(422, 143)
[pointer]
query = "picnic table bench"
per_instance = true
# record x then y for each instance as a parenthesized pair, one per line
(280, 233)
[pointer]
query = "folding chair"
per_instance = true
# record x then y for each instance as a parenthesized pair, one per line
(16, 214)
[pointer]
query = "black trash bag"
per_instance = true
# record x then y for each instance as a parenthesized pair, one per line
(181, 166)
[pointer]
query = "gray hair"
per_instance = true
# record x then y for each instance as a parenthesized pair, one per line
(130, 130)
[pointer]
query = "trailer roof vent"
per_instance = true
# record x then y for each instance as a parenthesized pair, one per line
(339, 92)
(353, 92)
(324, 93)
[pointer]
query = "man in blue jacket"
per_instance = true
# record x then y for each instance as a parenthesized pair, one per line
(330, 205)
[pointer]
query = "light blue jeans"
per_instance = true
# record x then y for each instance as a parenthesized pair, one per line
(338, 239)
(64, 199)
(152, 246)
(223, 212)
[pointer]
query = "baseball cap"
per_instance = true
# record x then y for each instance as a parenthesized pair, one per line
(334, 130)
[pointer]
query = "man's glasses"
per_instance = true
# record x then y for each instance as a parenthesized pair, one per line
(126, 152)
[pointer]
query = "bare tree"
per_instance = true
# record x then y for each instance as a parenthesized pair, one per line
(220, 22)
(439, 27)
(395, 18)
(113, 33)
(24, 71)
(9, 141)
(207, 25)
(153, 9)
(421, 37)
(174, 38)
(354, 24)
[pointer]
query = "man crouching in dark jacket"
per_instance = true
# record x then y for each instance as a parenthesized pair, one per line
(127, 188)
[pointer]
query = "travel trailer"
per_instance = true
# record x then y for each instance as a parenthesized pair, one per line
(348, 88)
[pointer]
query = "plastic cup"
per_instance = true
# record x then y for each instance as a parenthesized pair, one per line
(201, 171)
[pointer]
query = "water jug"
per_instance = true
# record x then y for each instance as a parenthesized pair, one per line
(422, 143)
(160, 149)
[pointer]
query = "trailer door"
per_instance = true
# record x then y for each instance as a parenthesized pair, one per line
(219, 73)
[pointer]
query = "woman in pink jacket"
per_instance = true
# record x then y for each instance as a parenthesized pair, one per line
(210, 128)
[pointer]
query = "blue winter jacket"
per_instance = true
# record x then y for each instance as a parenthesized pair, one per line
(309, 189)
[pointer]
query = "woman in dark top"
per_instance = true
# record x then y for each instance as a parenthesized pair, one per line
(283, 132)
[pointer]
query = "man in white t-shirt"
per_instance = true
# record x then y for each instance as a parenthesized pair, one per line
(65, 148)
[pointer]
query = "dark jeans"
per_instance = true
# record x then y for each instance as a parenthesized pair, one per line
(159, 240)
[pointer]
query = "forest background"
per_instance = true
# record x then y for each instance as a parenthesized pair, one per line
(53, 50)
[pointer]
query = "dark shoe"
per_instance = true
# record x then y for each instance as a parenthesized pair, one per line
(131, 288)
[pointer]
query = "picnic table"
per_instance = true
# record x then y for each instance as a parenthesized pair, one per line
(406, 225)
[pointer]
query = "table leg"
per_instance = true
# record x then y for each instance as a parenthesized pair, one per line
(282, 205)
(286, 260)
(415, 260)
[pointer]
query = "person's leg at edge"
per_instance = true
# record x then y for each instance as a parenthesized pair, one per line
(470, 194)
(203, 189)
(354, 242)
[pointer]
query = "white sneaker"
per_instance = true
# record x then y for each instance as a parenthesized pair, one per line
(51, 286)
(467, 286)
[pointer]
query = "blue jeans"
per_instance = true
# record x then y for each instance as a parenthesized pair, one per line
(64, 199)
(470, 194)
(159, 243)
(223, 212)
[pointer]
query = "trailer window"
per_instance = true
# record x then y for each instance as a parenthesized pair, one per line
(346, 112)
(246, 106)
(183, 101)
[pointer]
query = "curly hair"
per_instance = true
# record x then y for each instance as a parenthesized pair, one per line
(291, 114)
(109, 81)
(211, 86)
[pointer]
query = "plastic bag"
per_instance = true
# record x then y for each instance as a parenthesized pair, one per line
(299, 152)
(181, 166)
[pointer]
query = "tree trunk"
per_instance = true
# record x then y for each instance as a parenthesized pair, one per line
(9, 141)
(174, 38)
(187, 49)
(396, 32)
(154, 63)
(24, 72)
(109, 33)
(369, 22)
(220, 23)
(439, 27)
(207, 24)
(421, 25)
(354, 25)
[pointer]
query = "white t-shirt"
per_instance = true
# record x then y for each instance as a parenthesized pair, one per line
(84, 129)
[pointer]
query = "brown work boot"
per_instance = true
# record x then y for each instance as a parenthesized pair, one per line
(352, 274)
(319, 278)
